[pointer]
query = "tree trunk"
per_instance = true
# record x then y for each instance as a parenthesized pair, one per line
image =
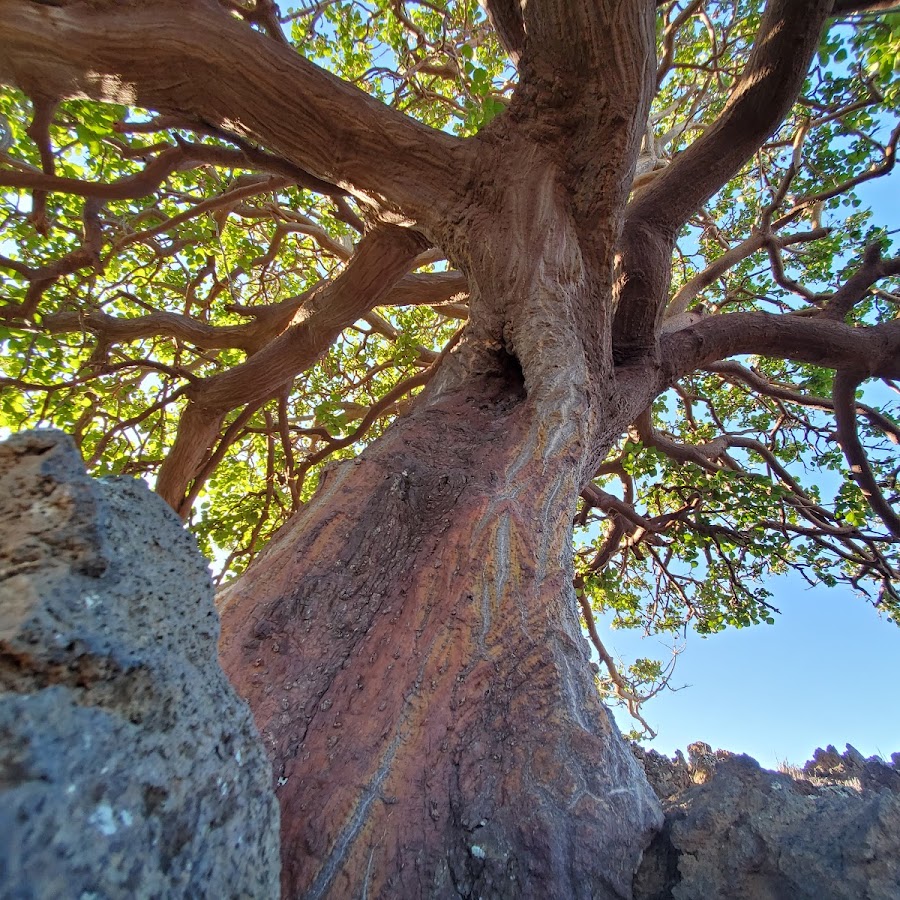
(410, 648)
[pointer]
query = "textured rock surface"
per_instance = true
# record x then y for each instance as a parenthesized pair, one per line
(830, 831)
(128, 765)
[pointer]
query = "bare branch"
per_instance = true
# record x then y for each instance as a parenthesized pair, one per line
(232, 196)
(378, 409)
(781, 277)
(246, 155)
(844, 395)
(810, 201)
(668, 38)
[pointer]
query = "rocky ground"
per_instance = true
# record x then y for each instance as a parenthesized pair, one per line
(130, 768)
(828, 831)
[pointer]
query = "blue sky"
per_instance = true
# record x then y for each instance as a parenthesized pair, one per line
(827, 671)
(824, 673)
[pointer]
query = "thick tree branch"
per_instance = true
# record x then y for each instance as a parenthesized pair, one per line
(427, 289)
(830, 344)
(785, 43)
(99, 50)
(584, 61)
(573, 34)
(857, 286)
(39, 132)
(783, 49)
(506, 17)
(381, 260)
(844, 395)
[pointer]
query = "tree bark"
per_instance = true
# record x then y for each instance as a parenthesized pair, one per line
(410, 646)
(409, 642)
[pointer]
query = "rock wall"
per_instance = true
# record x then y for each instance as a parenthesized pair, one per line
(829, 831)
(128, 765)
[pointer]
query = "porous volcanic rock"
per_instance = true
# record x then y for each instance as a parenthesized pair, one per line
(128, 765)
(829, 831)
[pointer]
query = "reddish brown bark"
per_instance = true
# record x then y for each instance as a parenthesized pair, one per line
(409, 642)
(411, 650)
(381, 261)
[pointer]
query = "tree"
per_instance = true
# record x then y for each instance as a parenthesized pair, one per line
(658, 307)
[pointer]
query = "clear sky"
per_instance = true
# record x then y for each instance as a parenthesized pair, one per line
(827, 671)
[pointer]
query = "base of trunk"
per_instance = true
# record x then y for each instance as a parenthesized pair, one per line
(410, 648)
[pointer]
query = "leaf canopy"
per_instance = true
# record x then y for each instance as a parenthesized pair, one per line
(203, 248)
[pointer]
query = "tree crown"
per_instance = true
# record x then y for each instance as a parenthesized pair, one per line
(195, 302)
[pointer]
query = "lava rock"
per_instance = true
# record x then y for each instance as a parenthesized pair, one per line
(744, 833)
(129, 767)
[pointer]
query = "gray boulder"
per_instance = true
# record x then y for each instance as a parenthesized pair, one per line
(128, 765)
(830, 831)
